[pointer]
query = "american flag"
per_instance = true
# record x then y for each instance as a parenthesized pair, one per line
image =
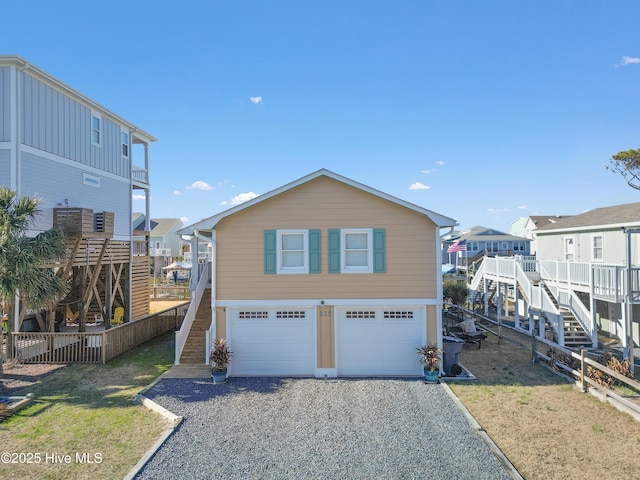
(459, 246)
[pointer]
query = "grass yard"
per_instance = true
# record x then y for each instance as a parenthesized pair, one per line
(545, 426)
(88, 409)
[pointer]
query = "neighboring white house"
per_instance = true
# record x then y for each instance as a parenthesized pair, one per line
(526, 227)
(586, 278)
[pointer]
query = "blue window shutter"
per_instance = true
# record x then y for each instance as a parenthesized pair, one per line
(270, 251)
(314, 251)
(334, 250)
(379, 254)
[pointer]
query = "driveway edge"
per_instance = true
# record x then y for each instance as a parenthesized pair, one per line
(482, 434)
(171, 417)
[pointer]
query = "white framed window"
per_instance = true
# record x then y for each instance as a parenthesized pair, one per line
(357, 250)
(473, 247)
(96, 129)
(125, 144)
(293, 251)
(518, 246)
(597, 248)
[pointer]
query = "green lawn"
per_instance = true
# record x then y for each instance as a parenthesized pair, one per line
(88, 410)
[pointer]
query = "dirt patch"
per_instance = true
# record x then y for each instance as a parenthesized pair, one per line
(20, 377)
(541, 421)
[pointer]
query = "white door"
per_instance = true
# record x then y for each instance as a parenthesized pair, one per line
(379, 340)
(272, 341)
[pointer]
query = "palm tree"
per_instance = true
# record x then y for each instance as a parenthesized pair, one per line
(26, 262)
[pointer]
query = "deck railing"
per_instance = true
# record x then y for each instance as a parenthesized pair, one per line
(94, 347)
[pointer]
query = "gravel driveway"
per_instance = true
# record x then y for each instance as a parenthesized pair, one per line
(309, 428)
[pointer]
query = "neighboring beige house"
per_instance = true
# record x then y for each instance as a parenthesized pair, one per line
(323, 276)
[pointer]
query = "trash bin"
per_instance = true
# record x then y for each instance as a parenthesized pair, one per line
(451, 347)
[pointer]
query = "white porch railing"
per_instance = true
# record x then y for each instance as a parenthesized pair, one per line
(160, 252)
(139, 174)
(183, 333)
(609, 282)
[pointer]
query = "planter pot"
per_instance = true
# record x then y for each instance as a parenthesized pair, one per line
(219, 377)
(431, 376)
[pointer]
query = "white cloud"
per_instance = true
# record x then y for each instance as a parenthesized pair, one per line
(224, 202)
(419, 186)
(522, 207)
(426, 171)
(628, 61)
(440, 162)
(256, 100)
(243, 197)
(177, 192)
(137, 196)
(200, 185)
(497, 211)
(184, 220)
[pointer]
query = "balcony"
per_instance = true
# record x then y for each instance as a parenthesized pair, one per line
(139, 176)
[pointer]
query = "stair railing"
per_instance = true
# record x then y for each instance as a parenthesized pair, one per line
(196, 298)
(568, 299)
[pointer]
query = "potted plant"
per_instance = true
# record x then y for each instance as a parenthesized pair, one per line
(429, 356)
(220, 358)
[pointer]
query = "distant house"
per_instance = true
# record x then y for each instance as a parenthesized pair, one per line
(323, 276)
(584, 282)
(480, 241)
(84, 162)
(165, 245)
(526, 227)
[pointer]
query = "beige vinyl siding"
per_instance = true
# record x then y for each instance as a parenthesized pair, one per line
(221, 322)
(432, 326)
(326, 337)
(324, 204)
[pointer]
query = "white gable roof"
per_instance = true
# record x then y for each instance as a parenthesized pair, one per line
(211, 222)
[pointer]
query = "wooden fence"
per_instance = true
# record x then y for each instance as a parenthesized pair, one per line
(95, 347)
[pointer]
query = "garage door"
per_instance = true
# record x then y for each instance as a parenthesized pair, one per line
(379, 341)
(272, 341)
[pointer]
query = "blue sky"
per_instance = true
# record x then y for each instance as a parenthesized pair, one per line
(481, 111)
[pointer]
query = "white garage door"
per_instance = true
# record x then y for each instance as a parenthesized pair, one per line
(379, 341)
(272, 341)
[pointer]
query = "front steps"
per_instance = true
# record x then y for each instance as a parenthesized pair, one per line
(196, 344)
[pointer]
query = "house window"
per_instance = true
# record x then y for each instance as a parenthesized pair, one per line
(597, 247)
(125, 144)
(357, 250)
(518, 246)
(96, 129)
(291, 251)
(292, 247)
(473, 246)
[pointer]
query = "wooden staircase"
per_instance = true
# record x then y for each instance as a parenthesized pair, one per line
(574, 334)
(194, 348)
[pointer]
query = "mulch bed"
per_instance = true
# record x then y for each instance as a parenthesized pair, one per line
(17, 378)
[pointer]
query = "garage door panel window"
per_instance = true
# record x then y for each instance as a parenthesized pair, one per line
(398, 314)
(291, 314)
(360, 314)
(252, 315)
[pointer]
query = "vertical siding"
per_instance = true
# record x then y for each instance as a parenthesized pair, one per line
(551, 246)
(325, 204)
(5, 104)
(5, 168)
(53, 182)
(221, 322)
(325, 325)
(56, 123)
